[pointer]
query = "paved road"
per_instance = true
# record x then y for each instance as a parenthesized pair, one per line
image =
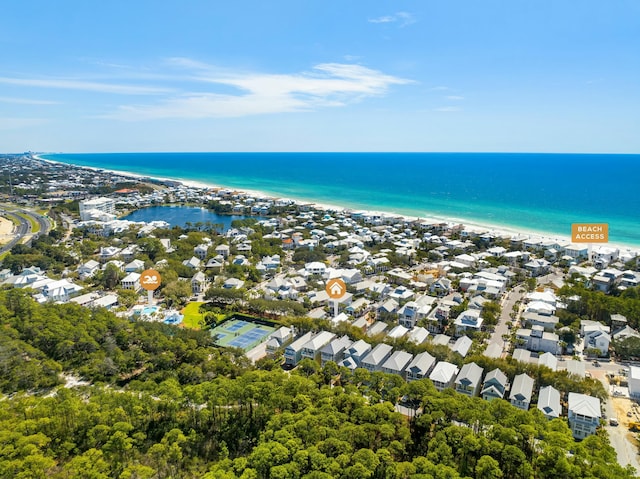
(24, 227)
(501, 329)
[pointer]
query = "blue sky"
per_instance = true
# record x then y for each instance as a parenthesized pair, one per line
(335, 75)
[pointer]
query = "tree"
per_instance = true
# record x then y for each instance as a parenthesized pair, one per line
(488, 468)
(176, 293)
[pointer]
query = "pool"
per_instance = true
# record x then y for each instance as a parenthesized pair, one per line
(149, 310)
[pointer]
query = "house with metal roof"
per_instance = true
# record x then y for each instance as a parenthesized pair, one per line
(521, 391)
(397, 363)
(420, 367)
(584, 415)
(549, 360)
(334, 351)
(357, 351)
(378, 355)
(468, 380)
(495, 385)
(293, 352)
(549, 402)
(443, 375)
(311, 348)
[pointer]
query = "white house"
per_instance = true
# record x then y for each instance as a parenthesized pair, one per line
(521, 391)
(584, 415)
(634, 382)
(443, 375)
(131, 281)
(198, 283)
(469, 320)
(549, 402)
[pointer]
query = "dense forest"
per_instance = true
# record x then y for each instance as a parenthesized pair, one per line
(158, 401)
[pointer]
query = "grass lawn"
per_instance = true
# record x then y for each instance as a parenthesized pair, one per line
(35, 226)
(192, 317)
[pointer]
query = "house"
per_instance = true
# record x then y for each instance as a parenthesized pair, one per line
(88, 269)
(357, 351)
(420, 367)
(584, 415)
(495, 385)
(193, 262)
(223, 250)
(595, 336)
(521, 391)
(201, 251)
(293, 352)
(418, 335)
(334, 351)
(397, 362)
(131, 281)
(311, 348)
(538, 340)
(315, 268)
(233, 283)
(198, 283)
(376, 328)
(107, 253)
(575, 367)
(549, 402)
(634, 382)
(279, 338)
(378, 355)
(494, 350)
(61, 290)
(468, 380)
(129, 253)
(469, 320)
(443, 375)
(135, 265)
(548, 360)
(397, 332)
(462, 346)
(537, 267)
(522, 355)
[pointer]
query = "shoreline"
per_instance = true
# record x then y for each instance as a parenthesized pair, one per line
(497, 229)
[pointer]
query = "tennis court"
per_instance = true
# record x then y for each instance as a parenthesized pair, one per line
(241, 334)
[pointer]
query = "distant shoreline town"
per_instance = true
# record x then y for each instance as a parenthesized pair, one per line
(422, 296)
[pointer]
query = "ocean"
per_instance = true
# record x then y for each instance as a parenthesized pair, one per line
(543, 193)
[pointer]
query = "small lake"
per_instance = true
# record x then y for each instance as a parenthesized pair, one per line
(181, 215)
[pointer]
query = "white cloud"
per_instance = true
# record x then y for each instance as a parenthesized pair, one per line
(82, 85)
(401, 18)
(326, 85)
(455, 97)
(448, 109)
(26, 101)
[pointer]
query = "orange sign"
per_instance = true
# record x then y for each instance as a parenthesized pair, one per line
(590, 233)
(335, 288)
(150, 279)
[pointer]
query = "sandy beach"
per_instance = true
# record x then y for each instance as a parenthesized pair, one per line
(499, 230)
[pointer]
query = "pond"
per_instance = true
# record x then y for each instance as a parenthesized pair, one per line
(184, 216)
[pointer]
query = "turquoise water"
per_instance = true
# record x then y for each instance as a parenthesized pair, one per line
(541, 192)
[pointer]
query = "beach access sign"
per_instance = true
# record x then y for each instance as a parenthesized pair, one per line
(150, 279)
(590, 233)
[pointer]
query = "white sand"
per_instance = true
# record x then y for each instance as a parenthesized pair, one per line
(6, 227)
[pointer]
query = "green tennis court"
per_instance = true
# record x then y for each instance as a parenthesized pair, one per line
(241, 334)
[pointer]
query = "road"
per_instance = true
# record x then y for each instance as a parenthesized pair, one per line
(501, 329)
(24, 227)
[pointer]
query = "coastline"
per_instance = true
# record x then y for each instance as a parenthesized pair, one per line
(497, 229)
